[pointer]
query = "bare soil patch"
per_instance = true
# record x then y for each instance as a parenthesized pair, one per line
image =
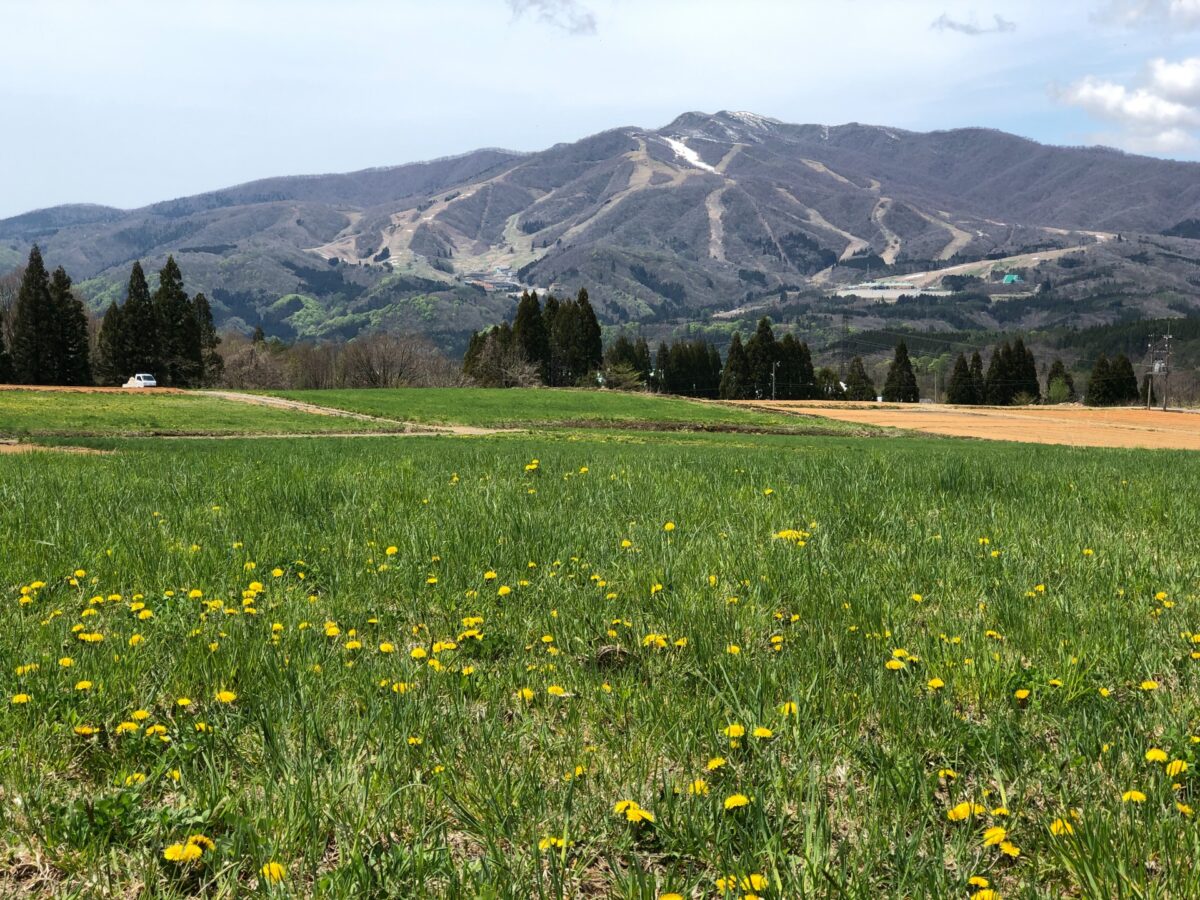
(1071, 425)
(10, 447)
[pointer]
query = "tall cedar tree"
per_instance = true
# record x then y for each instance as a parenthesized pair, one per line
(961, 389)
(859, 385)
(621, 352)
(178, 330)
(978, 382)
(641, 357)
(73, 363)
(591, 337)
(1058, 372)
(762, 352)
(736, 380)
(529, 329)
(901, 383)
(1099, 388)
(662, 363)
(795, 379)
(212, 364)
(34, 327)
(1025, 380)
(141, 349)
(110, 348)
(6, 368)
(1125, 383)
(999, 378)
(693, 369)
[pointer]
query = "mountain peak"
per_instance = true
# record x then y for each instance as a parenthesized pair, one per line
(724, 126)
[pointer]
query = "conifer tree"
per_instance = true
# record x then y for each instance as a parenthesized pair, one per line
(529, 329)
(858, 383)
(1099, 389)
(662, 364)
(641, 358)
(141, 350)
(736, 378)
(978, 382)
(178, 330)
(73, 364)
(1024, 372)
(1125, 384)
(591, 338)
(762, 352)
(110, 362)
(212, 364)
(998, 379)
(6, 369)
(961, 388)
(34, 328)
(901, 383)
(1059, 375)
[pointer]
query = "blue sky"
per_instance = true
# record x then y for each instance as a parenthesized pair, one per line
(126, 102)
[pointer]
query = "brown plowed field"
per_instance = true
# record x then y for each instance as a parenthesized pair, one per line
(1076, 426)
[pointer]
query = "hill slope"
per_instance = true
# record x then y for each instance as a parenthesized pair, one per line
(674, 223)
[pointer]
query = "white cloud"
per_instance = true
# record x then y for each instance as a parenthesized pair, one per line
(569, 15)
(1171, 142)
(1159, 116)
(1140, 107)
(1000, 25)
(1180, 13)
(1177, 81)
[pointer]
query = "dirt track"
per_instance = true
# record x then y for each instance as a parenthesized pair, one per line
(1071, 425)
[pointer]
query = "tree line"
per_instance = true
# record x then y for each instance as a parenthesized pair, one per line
(1012, 379)
(557, 344)
(166, 333)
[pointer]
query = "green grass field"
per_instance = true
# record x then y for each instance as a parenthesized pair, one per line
(65, 413)
(400, 668)
(496, 408)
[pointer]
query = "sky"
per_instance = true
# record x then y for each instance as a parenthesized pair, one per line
(127, 102)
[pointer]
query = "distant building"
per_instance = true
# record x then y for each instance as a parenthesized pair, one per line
(1013, 278)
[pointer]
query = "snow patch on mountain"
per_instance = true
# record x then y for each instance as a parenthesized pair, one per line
(688, 155)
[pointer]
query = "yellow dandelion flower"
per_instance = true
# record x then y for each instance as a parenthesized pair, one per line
(736, 801)
(1133, 797)
(182, 853)
(994, 836)
(1061, 827)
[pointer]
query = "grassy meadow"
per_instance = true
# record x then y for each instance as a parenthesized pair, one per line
(548, 407)
(35, 414)
(599, 664)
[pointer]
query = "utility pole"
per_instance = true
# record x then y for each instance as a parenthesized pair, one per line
(1166, 367)
(1150, 373)
(1160, 365)
(774, 366)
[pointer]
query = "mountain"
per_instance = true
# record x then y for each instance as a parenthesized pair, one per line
(667, 225)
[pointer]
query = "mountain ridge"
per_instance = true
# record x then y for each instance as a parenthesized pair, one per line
(661, 224)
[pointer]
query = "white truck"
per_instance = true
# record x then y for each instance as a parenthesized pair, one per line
(141, 380)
